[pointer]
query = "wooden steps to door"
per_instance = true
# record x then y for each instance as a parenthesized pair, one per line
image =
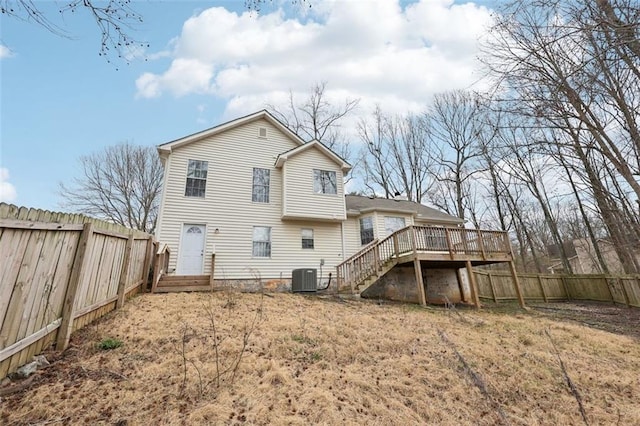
(177, 283)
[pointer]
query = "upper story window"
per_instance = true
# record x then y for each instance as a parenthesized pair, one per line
(324, 182)
(196, 178)
(260, 191)
(261, 241)
(307, 238)
(366, 230)
(392, 224)
(262, 132)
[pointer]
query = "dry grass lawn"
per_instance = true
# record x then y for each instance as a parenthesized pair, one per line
(312, 360)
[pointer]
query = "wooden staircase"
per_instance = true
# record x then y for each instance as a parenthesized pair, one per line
(163, 282)
(421, 243)
(376, 275)
(177, 283)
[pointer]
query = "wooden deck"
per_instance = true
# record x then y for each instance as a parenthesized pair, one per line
(453, 248)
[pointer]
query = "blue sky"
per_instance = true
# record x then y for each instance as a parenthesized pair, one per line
(209, 62)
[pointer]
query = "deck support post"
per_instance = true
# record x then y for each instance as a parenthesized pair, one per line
(463, 297)
(419, 281)
(473, 284)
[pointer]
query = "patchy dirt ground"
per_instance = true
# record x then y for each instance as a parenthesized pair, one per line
(602, 316)
(228, 358)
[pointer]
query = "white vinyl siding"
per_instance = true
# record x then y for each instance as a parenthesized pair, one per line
(227, 207)
(301, 201)
(351, 236)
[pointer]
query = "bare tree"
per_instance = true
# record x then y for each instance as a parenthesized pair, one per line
(115, 19)
(576, 64)
(455, 124)
(396, 155)
(121, 184)
(316, 118)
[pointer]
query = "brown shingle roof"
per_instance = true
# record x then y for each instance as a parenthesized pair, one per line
(361, 204)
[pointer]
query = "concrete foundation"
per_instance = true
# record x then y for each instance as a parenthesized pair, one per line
(441, 285)
(272, 285)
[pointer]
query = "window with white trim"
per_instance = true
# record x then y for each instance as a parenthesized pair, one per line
(261, 241)
(393, 223)
(196, 178)
(366, 230)
(260, 191)
(324, 182)
(307, 238)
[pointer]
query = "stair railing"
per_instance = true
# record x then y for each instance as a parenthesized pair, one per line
(369, 260)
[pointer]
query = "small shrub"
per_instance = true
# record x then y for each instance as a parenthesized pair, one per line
(302, 339)
(109, 343)
(315, 356)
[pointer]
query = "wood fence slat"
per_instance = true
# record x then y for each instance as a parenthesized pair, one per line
(64, 333)
(40, 226)
(124, 273)
(21, 344)
(563, 287)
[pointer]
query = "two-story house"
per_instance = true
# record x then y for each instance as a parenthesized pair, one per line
(254, 194)
(248, 202)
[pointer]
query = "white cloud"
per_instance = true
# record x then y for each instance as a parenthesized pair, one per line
(8, 192)
(376, 51)
(5, 52)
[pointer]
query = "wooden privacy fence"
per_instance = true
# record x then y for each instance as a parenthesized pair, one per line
(498, 285)
(59, 272)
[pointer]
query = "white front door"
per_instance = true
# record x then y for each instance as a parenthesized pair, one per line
(191, 250)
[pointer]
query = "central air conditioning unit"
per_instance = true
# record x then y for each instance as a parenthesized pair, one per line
(304, 280)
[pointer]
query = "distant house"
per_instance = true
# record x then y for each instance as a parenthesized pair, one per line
(250, 199)
(583, 259)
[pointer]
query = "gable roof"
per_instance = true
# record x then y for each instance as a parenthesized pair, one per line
(264, 114)
(282, 158)
(358, 204)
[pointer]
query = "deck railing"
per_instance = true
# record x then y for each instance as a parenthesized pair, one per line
(420, 239)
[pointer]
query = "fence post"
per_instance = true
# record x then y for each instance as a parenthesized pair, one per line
(566, 287)
(514, 276)
(124, 273)
(544, 295)
(64, 332)
(624, 292)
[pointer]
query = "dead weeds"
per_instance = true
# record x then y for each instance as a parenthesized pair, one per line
(325, 361)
